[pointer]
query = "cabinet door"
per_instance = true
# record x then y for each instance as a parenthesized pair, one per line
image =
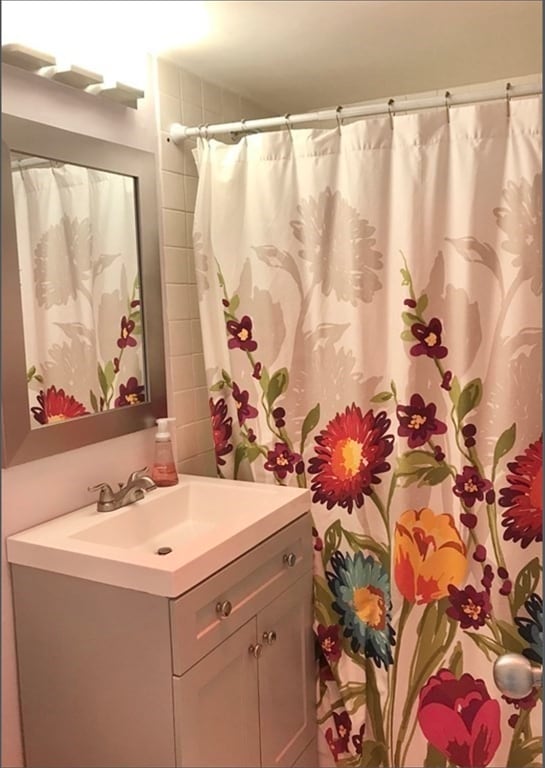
(286, 675)
(216, 707)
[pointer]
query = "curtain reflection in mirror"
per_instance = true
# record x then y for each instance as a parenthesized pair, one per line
(78, 253)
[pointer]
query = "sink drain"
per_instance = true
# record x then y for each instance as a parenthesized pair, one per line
(164, 551)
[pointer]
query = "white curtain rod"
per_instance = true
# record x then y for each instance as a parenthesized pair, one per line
(178, 132)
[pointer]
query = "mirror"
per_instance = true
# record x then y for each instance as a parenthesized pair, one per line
(82, 337)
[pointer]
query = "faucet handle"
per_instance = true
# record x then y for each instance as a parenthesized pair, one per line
(106, 493)
(136, 475)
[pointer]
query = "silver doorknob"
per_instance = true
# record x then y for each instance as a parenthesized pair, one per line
(290, 559)
(224, 609)
(515, 676)
(269, 637)
(255, 650)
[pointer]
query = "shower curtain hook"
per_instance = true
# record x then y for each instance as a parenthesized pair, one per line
(288, 124)
(339, 118)
(508, 98)
(391, 113)
(447, 105)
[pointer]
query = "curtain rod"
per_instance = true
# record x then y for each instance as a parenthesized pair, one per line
(178, 132)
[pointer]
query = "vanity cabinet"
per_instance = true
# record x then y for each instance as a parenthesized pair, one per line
(222, 675)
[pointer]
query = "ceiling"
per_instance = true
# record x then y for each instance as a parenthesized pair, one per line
(298, 55)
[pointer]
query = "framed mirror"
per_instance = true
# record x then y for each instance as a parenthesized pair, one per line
(82, 322)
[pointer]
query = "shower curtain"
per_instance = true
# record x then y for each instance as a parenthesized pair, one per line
(371, 310)
(78, 259)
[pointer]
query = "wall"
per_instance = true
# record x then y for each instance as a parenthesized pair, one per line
(41, 490)
(183, 97)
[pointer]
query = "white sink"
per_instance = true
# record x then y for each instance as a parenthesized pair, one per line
(205, 522)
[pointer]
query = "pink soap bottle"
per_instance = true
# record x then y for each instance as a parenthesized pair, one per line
(163, 471)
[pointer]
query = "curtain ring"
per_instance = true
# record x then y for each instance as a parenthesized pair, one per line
(288, 124)
(447, 105)
(203, 131)
(338, 117)
(391, 113)
(508, 98)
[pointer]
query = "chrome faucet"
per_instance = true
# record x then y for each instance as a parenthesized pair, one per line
(138, 484)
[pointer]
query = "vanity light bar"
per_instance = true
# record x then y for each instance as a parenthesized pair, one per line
(45, 65)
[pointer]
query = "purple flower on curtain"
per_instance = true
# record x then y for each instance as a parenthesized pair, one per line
(429, 339)
(357, 740)
(470, 486)
(125, 339)
(221, 429)
(343, 724)
(241, 335)
(281, 460)
(244, 409)
(130, 393)
(328, 637)
(446, 381)
(469, 607)
(417, 421)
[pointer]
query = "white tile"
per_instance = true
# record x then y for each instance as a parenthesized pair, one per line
(182, 373)
(171, 155)
(190, 185)
(210, 117)
(174, 228)
(184, 407)
(169, 111)
(186, 438)
(192, 114)
(202, 408)
(173, 191)
(193, 298)
(176, 265)
(203, 465)
(178, 302)
(230, 106)
(191, 88)
(179, 339)
(189, 223)
(167, 78)
(199, 370)
(211, 96)
(191, 276)
(205, 441)
(196, 336)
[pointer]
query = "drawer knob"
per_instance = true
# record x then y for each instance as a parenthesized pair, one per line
(269, 637)
(224, 609)
(255, 650)
(290, 559)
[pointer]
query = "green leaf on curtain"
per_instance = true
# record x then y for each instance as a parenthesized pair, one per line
(252, 452)
(421, 467)
(39, 378)
(240, 454)
(30, 373)
(102, 380)
(407, 336)
(94, 401)
(456, 662)
(322, 603)
(264, 380)
(217, 386)
(470, 397)
(277, 385)
(435, 475)
(510, 638)
(332, 540)
(311, 420)
(434, 758)
(409, 319)
(408, 462)
(359, 542)
(382, 397)
(455, 390)
(505, 442)
(373, 753)
(526, 583)
(406, 277)
(109, 373)
(486, 644)
(227, 379)
(234, 304)
(421, 304)
(374, 710)
(522, 754)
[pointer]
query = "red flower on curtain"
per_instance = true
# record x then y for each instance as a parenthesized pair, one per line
(459, 718)
(522, 519)
(350, 453)
(222, 429)
(56, 405)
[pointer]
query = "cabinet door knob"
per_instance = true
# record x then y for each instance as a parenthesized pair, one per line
(290, 559)
(224, 609)
(269, 637)
(255, 650)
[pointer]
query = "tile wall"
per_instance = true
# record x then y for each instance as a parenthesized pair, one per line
(183, 97)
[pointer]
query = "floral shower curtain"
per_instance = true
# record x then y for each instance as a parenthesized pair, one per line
(78, 258)
(371, 311)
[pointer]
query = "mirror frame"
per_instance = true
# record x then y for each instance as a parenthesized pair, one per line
(21, 443)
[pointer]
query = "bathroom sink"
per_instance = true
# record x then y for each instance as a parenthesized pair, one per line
(199, 526)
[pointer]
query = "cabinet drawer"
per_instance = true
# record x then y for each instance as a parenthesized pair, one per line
(249, 583)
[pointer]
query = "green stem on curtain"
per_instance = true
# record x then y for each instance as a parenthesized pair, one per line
(377, 722)
(382, 512)
(389, 715)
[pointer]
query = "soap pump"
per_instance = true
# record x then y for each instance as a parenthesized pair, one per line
(163, 471)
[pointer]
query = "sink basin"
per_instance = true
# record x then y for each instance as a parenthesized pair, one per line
(202, 524)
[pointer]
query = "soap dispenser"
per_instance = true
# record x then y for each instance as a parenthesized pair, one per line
(163, 471)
